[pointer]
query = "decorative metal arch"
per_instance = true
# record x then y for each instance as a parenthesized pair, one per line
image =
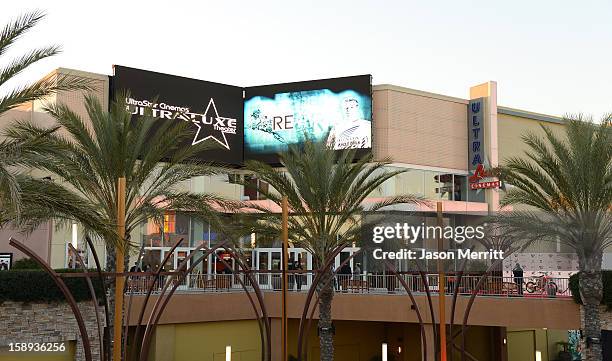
(161, 302)
(62, 286)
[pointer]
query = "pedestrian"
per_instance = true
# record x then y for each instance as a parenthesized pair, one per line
(357, 271)
(345, 275)
(298, 276)
(135, 267)
(291, 267)
(517, 272)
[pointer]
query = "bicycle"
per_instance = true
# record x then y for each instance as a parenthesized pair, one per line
(543, 283)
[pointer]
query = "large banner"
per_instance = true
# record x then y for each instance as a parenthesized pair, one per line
(213, 110)
(276, 116)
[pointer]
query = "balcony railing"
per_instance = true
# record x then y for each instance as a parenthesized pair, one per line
(531, 287)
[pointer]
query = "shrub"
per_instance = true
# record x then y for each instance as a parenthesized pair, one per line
(607, 288)
(25, 263)
(37, 285)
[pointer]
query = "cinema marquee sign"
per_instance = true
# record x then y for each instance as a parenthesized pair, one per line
(256, 122)
(480, 178)
(214, 111)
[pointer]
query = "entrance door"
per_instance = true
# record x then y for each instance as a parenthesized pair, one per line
(179, 256)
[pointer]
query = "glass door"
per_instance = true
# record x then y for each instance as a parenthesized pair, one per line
(180, 255)
(263, 265)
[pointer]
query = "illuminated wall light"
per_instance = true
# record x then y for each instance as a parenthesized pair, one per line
(384, 352)
(75, 236)
(538, 356)
(399, 349)
(505, 341)
(228, 353)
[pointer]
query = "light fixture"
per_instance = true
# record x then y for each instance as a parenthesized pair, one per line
(75, 236)
(505, 341)
(399, 349)
(538, 356)
(384, 352)
(228, 353)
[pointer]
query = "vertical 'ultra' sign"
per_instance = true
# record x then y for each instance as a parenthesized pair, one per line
(476, 110)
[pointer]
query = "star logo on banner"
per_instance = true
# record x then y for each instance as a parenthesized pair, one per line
(212, 126)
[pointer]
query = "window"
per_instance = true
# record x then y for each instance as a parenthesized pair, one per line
(169, 222)
(234, 178)
(252, 188)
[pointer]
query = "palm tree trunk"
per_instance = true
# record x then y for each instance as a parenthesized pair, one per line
(591, 293)
(111, 266)
(326, 333)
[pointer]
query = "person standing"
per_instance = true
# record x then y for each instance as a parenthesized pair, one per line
(298, 276)
(517, 272)
(345, 276)
(357, 272)
(291, 277)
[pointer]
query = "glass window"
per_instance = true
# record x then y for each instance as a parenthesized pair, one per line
(461, 185)
(410, 182)
(250, 187)
(234, 178)
(276, 261)
(433, 185)
(199, 232)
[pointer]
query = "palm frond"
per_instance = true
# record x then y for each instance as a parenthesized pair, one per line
(43, 88)
(17, 28)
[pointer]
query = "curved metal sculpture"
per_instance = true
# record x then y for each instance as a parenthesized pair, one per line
(415, 305)
(163, 299)
(148, 295)
(162, 302)
(258, 293)
(257, 304)
(94, 298)
(62, 286)
(107, 351)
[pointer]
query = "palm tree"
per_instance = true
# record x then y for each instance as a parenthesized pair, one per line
(326, 191)
(566, 182)
(10, 152)
(85, 158)
(93, 154)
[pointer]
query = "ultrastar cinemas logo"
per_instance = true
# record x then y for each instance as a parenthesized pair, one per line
(210, 125)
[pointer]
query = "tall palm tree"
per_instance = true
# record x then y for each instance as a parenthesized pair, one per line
(86, 157)
(11, 152)
(326, 191)
(566, 182)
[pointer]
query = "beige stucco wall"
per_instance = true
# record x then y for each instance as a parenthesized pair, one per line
(49, 241)
(510, 130)
(420, 128)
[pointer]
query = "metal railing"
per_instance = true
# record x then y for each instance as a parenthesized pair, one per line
(534, 287)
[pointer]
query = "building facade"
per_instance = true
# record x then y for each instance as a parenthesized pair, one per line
(437, 139)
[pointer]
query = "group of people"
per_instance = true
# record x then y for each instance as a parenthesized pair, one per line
(296, 278)
(344, 275)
